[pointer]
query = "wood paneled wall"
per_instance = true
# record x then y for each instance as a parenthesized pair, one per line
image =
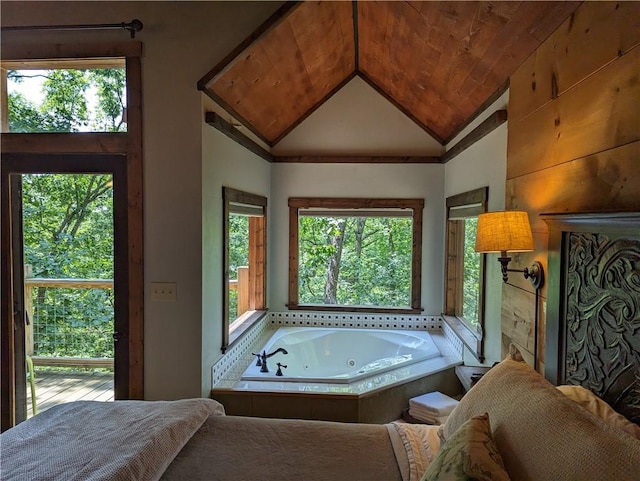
(573, 141)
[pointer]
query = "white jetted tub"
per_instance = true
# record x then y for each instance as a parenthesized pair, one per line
(340, 355)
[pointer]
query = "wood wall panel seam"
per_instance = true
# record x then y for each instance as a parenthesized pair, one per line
(557, 93)
(572, 127)
(604, 29)
(605, 178)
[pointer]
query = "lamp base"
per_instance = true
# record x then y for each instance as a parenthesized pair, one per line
(535, 274)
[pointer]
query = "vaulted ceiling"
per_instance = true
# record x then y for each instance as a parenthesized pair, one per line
(439, 62)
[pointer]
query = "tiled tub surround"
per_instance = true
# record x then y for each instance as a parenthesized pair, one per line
(379, 398)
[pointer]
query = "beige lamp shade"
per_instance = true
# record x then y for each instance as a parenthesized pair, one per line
(504, 231)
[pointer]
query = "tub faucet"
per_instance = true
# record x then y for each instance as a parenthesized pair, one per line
(262, 358)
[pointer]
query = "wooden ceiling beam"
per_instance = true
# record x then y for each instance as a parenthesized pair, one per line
(230, 131)
(235, 55)
(487, 126)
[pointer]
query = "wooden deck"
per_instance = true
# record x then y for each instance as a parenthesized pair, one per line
(57, 387)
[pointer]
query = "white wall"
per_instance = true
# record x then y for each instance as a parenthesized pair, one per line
(357, 120)
(224, 164)
(484, 164)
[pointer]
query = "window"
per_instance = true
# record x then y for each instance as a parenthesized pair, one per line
(245, 246)
(464, 297)
(355, 254)
(87, 95)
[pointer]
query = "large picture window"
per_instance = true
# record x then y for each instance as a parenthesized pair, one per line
(355, 254)
(245, 235)
(464, 299)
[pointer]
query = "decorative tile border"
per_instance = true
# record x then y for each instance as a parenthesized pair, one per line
(221, 369)
(452, 337)
(355, 320)
(233, 363)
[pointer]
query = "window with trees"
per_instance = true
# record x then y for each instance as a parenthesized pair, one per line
(65, 96)
(245, 248)
(464, 297)
(355, 254)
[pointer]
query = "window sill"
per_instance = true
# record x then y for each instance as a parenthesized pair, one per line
(242, 325)
(472, 340)
(336, 308)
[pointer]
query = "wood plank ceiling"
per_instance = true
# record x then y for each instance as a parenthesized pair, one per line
(438, 62)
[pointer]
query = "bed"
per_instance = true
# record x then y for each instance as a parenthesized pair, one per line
(539, 433)
(513, 424)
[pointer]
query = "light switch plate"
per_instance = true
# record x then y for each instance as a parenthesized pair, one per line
(164, 291)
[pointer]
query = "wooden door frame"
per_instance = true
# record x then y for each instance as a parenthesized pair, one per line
(20, 164)
(128, 144)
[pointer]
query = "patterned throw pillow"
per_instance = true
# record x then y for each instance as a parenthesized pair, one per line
(469, 454)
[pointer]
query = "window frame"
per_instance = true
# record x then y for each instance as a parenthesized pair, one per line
(334, 203)
(257, 256)
(475, 202)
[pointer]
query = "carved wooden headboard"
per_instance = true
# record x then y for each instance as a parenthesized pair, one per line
(593, 306)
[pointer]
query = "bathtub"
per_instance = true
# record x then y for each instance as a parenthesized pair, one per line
(340, 355)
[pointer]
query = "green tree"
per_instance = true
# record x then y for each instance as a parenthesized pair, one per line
(471, 274)
(238, 256)
(355, 260)
(65, 105)
(68, 229)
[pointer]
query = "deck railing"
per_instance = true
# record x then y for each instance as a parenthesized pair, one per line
(71, 322)
(239, 294)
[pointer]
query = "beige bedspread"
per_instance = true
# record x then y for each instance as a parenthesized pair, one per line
(234, 448)
(189, 440)
(89, 440)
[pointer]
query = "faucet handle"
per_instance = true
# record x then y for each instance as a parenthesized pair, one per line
(279, 371)
(258, 356)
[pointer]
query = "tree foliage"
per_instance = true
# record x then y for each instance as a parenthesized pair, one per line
(355, 261)
(471, 273)
(238, 256)
(66, 105)
(68, 226)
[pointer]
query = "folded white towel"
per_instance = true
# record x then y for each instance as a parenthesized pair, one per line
(435, 403)
(425, 417)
